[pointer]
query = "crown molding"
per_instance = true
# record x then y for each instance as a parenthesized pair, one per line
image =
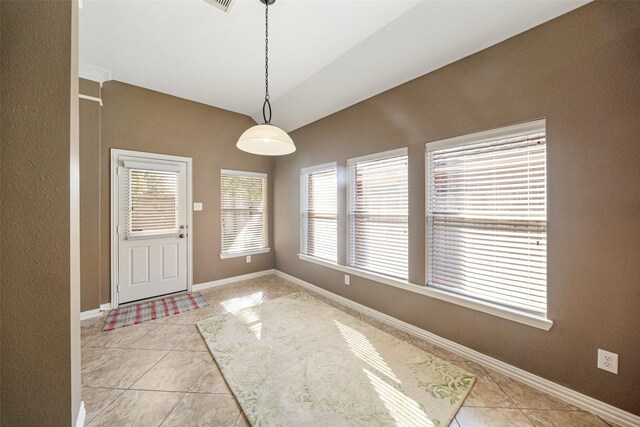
(96, 74)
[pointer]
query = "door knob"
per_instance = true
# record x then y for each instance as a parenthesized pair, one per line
(181, 236)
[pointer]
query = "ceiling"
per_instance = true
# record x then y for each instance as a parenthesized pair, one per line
(324, 55)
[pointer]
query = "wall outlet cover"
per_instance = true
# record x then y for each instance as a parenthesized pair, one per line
(248, 259)
(197, 206)
(347, 279)
(608, 361)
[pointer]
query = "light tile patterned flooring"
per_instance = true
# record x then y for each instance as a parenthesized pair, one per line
(161, 373)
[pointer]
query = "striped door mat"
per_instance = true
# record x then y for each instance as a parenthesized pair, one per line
(151, 310)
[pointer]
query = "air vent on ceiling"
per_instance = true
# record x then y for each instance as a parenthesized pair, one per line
(224, 5)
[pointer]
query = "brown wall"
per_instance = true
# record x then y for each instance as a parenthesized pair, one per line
(1, 244)
(581, 72)
(90, 218)
(0, 213)
(40, 370)
(138, 119)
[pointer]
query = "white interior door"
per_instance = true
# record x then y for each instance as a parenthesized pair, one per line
(152, 230)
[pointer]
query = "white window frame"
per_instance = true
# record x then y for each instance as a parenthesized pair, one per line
(303, 231)
(534, 320)
(264, 250)
(484, 307)
(374, 156)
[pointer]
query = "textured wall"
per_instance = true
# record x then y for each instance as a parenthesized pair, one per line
(90, 213)
(134, 118)
(74, 217)
(40, 370)
(0, 214)
(582, 72)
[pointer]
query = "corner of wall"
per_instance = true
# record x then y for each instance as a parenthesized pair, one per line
(74, 217)
(1, 242)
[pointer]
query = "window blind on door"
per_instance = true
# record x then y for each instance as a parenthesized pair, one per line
(487, 220)
(244, 212)
(320, 213)
(152, 201)
(378, 212)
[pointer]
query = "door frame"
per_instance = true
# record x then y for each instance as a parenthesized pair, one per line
(115, 217)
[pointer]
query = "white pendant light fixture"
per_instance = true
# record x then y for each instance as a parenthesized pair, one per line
(266, 139)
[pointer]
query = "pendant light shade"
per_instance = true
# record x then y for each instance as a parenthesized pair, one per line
(266, 140)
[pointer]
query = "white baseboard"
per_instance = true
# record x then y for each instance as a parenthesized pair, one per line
(90, 314)
(221, 282)
(604, 410)
(198, 287)
(106, 307)
(95, 312)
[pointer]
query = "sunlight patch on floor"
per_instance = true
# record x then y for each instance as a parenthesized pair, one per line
(244, 308)
(403, 409)
(235, 305)
(362, 349)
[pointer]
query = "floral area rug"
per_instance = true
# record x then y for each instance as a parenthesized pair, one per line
(296, 361)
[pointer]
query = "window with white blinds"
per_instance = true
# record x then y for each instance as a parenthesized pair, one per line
(487, 217)
(378, 213)
(319, 222)
(153, 202)
(244, 212)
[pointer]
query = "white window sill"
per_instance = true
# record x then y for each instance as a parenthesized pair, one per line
(503, 312)
(241, 254)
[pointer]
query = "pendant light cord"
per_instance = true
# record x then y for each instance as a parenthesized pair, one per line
(267, 103)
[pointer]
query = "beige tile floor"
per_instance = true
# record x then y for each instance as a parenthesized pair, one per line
(161, 373)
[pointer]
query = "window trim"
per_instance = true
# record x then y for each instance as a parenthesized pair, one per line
(538, 321)
(246, 253)
(262, 175)
(234, 172)
(374, 156)
(303, 172)
(378, 156)
(516, 130)
(484, 307)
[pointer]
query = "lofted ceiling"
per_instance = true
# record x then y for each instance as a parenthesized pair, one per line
(324, 55)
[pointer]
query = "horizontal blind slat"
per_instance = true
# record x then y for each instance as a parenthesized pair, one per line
(320, 214)
(486, 220)
(152, 201)
(378, 216)
(244, 219)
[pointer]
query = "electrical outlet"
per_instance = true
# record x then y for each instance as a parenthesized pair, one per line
(608, 361)
(346, 279)
(248, 259)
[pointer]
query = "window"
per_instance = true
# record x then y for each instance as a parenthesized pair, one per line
(487, 217)
(244, 213)
(378, 208)
(152, 202)
(319, 222)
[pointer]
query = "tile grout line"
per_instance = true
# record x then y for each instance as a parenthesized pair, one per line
(174, 391)
(105, 408)
(173, 409)
(527, 417)
(238, 417)
(145, 372)
(199, 375)
(505, 393)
